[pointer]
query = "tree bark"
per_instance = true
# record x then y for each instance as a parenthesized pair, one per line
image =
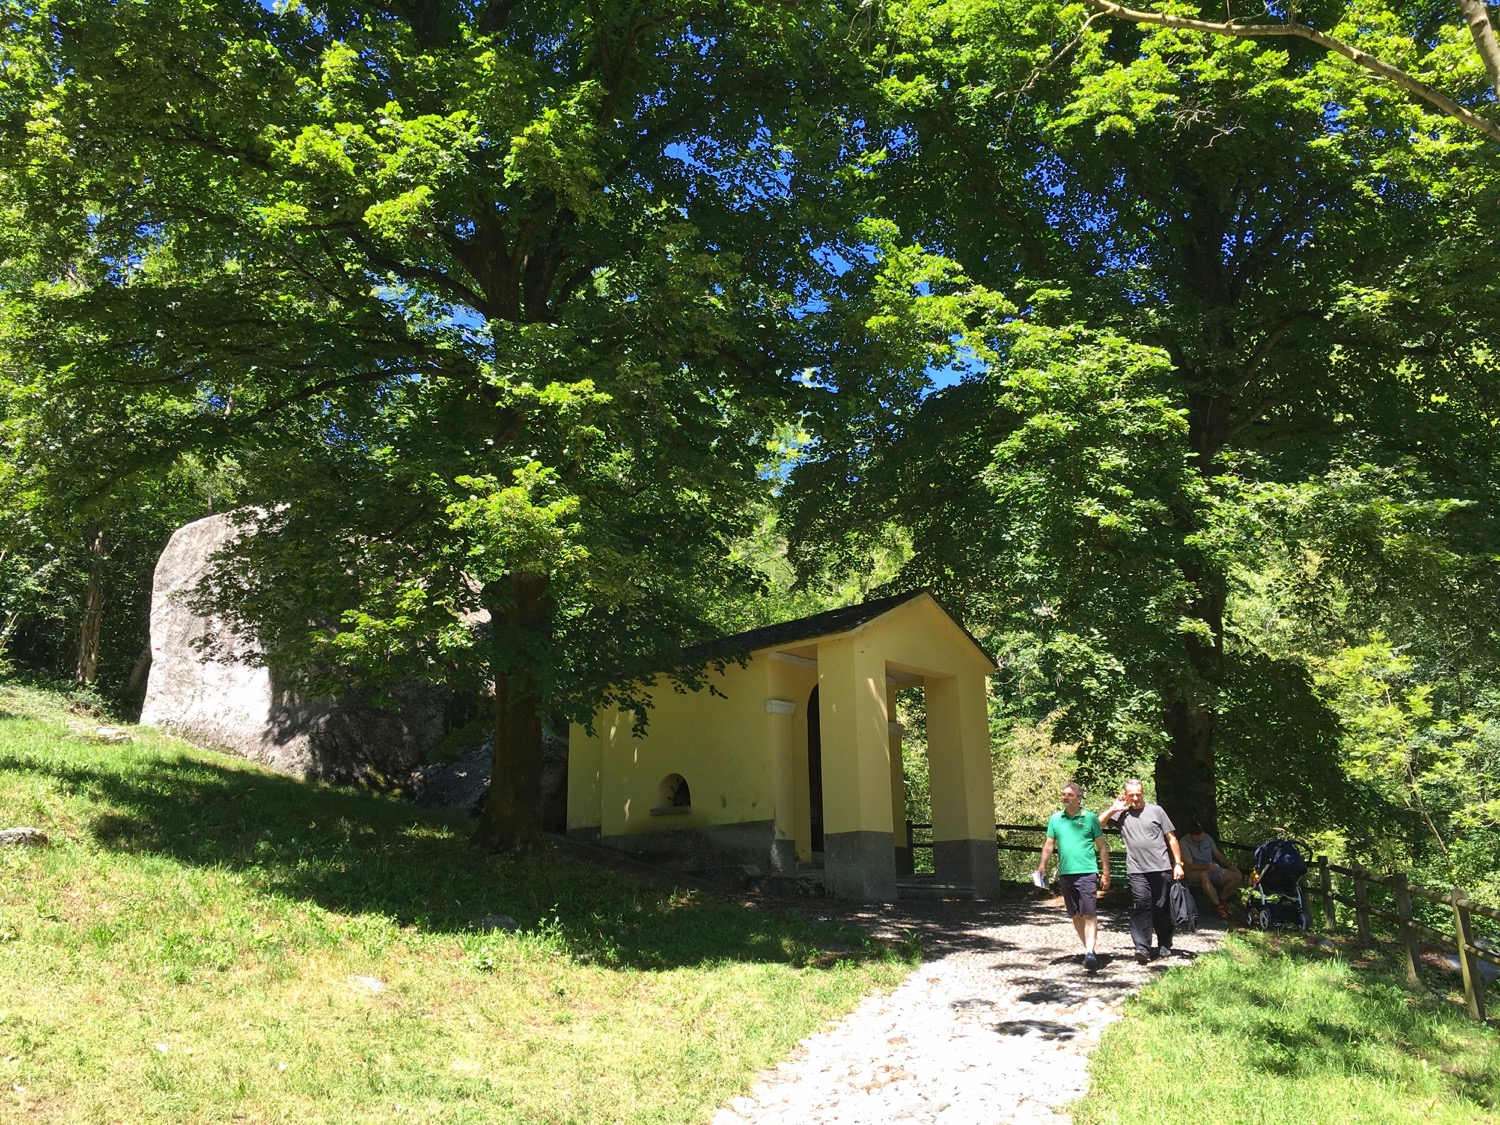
(1477, 16)
(92, 627)
(1186, 776)
(512, 818)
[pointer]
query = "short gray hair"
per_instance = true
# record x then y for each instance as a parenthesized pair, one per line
(1073, 785)
(1129, 781)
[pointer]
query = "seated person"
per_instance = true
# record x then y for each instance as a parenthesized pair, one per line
(1204, 864)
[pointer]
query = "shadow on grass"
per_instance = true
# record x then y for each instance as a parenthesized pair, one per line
(1376, 1023)
(357, 854)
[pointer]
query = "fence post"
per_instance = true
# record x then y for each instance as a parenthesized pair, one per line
(1327, 886)
(1407, 934)
(1464, 931)
(1361, 904)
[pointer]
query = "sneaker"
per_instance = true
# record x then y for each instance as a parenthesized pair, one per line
(1142, 957)
(1091, 962)
(1223, 910)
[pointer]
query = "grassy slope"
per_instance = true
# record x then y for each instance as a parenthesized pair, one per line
(191, 948)
(1277, 1029)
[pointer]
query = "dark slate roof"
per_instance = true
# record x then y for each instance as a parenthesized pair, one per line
(827, 623)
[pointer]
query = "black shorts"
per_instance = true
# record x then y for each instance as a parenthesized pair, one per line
(1080, 894)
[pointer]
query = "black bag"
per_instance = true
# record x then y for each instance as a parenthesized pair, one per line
(1181, 906)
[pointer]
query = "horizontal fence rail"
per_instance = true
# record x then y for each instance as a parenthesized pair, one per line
(1408, 929)
(1399, 914)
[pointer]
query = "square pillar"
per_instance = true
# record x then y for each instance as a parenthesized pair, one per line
(904, 865)
(963, 784)
(784, 766)
(858, 828)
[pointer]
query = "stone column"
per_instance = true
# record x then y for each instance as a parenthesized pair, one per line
(859, 844)
(904, 864)
(963, 786)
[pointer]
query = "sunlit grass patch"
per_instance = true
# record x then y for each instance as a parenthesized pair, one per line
(204, 941)
(1276, 1028)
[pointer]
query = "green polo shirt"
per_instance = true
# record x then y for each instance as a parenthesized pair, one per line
(1075, 836)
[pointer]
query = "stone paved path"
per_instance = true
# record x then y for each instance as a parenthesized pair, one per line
(995, 1026)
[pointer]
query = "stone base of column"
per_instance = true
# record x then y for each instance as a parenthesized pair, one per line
(905, 864)
(968, 863)
(783, 856)
(860, 866)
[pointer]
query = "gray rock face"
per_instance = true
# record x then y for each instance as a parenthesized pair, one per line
(464, 784)
(458, 786)
(237, 706)
(23, 837)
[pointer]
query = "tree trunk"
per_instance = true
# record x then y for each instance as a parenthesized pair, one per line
(512, 819)
(1186, 777)
(91, 631)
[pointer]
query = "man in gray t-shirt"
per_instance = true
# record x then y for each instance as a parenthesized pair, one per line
(1152, 861)
(1204, 864)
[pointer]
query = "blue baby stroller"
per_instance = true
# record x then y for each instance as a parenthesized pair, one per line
(1275, 901)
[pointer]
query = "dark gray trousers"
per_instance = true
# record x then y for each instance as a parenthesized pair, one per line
(1149, 909)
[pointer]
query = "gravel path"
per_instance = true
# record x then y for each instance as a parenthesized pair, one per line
(995, 1026)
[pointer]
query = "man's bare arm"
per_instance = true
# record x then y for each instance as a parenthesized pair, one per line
(1041, 868)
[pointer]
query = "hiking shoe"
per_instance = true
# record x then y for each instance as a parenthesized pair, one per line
(1091, 962)
(1223, 910)
(1142, 957)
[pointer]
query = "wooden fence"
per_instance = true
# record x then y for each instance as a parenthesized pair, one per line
(1407, 928)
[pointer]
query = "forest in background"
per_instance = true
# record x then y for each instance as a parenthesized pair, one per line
(1165, 355)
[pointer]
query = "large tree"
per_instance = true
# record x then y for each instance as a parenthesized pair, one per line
(1306, 263)
(485, 297)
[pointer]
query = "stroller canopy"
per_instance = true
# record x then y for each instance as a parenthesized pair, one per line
(1279, 865)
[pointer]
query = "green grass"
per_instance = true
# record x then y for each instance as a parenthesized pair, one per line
(1277, 1029)
(207, 942)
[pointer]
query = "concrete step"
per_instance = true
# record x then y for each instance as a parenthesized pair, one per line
(925, 890)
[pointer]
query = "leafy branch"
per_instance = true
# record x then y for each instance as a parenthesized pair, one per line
(1474, 12)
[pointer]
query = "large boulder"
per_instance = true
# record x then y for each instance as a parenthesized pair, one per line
(235, 704)
(463, 785)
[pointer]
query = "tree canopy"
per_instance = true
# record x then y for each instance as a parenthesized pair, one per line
(462, 287)
(1161, 343)
(1191, 281)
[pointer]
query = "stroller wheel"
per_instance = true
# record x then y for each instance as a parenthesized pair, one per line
(1265, 918)
(1304, 918)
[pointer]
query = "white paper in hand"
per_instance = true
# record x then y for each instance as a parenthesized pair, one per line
(1038, 881)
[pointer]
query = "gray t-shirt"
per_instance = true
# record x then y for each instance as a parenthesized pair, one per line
(1201, 852)
(1145, 835)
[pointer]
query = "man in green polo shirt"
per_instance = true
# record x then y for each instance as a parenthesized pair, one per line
(1082, 866)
